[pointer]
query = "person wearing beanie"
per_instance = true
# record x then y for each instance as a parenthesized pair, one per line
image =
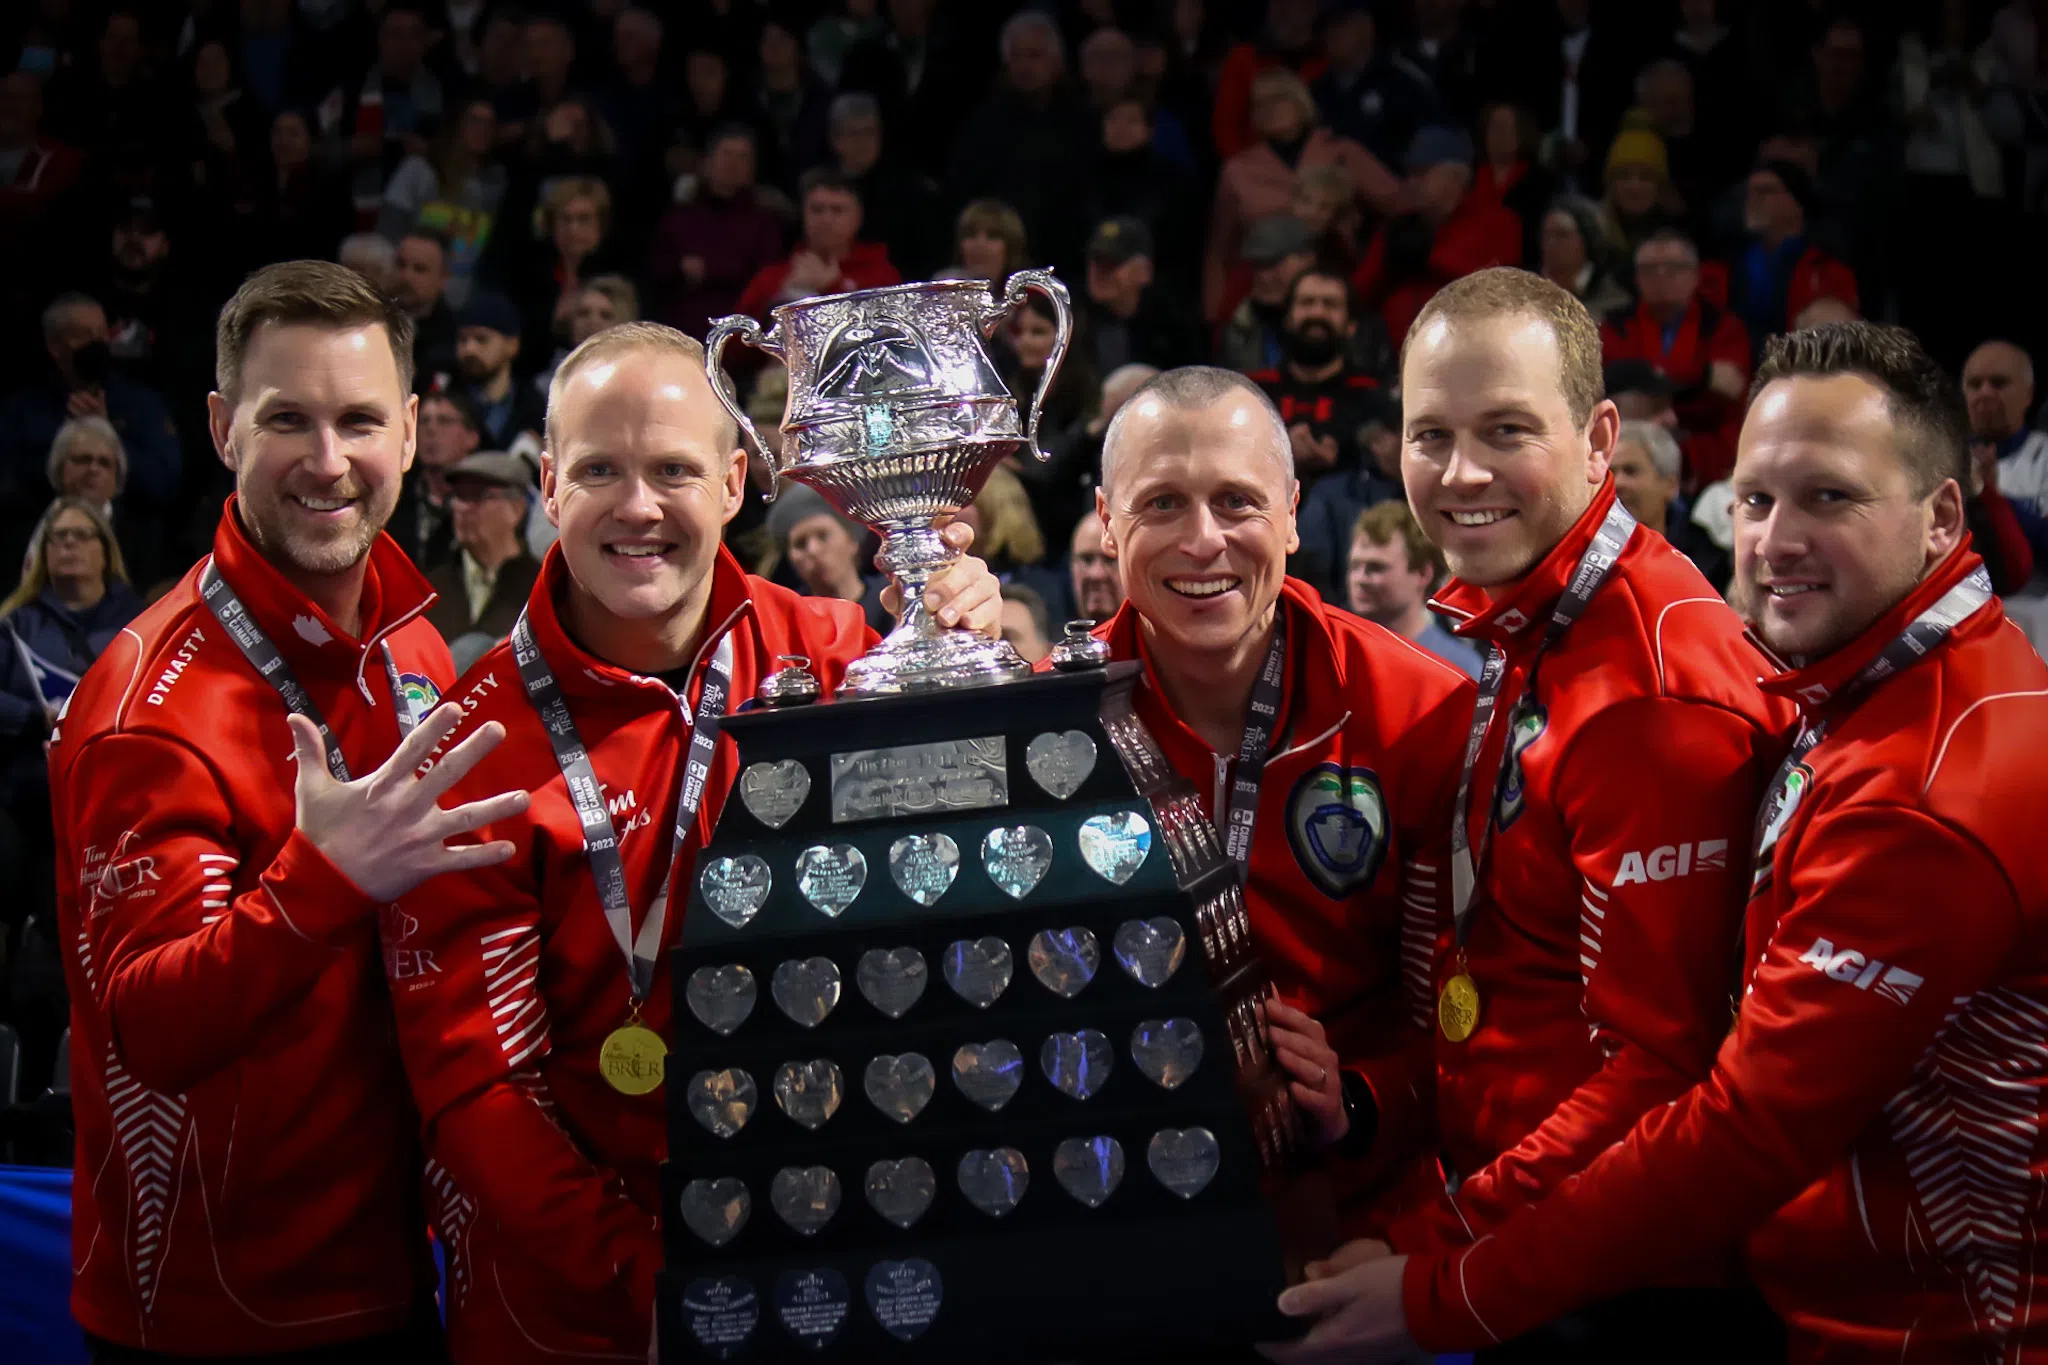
(1447, 233)
(487, 339)
(823, 548)
(1640, 198)
(1782, 271)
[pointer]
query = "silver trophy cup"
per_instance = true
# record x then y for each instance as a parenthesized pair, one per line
(896, 416)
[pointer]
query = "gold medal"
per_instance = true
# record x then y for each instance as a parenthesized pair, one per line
(631, 1058)
(1457, 1006)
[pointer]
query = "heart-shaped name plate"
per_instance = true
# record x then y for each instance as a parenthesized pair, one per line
(715, 1210)
(1150, 950)
(891, 979)
(1090, 1169)
(831, 876)
(901, 1191)
(1167, 1051)
(905, 1296)
(722, 1101)
(978, 970)
(1016, 858)
(1077, 1064)
(735, 888)
(805, 1197)
(989, 1073)
(1064, 960)
(806, 989)
(900, 1086)
(809, 1092)
(721, 1311)
(774, 792)
(1184, 1159)
(994, 1181)
(721, 997)
(1060, 761)
(923, 866)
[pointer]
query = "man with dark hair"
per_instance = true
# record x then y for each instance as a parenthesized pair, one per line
(418, 279)
(1782, 270)
(1700, 347)
(709, 247)
(1871, 1135)
(1445, 232)
(899, 203)
(485, 584)
(830, 258)
(1325, 401)
(487, 334)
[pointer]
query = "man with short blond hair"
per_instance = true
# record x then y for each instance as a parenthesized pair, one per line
(1388, 580)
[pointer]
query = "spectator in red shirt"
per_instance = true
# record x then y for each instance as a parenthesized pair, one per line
(1446, 233)
(1702, 349)
(1322, 398)
(829, 259)
(1288, 44)
(1782, 271)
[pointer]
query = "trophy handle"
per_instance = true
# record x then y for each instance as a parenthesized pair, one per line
(743, 328)
(1038, 282)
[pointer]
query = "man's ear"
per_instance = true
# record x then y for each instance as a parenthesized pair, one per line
(550, 487)
(412, 433)
(1108, 531)
(1603, 435)
(735, 490)
(220, 424)
(1946, 522)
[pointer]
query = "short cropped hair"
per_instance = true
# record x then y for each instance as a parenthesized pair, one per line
(1196, 386)
(1390, 523)
(1658, 443)
(63, 304)
(1926, 406)
(1504, 291)
(619, 339)
(823, 178)
(308, 293)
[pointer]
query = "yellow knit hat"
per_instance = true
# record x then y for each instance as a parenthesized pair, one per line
(1639, 147)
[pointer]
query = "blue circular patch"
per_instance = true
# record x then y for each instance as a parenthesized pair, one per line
(1337, 827)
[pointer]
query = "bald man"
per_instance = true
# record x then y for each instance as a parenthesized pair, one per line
(1998, 385)
(1324, 747)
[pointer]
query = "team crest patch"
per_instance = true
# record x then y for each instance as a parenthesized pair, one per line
(1772, 819)
(1529, 723)
(1337, 826)
(417, 697)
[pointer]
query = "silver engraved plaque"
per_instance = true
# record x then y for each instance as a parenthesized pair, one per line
(806, 990)
(721, 997)
(812, 1304)
(1060, 761)
(715, 1210)
(901, 1191)
(1016, 858)
(892, 980)
(831, 876)
(1167, 1051)
(721, 1311)
(923, 866)
(1090, 1169)
(1183, 1159)
(900, 1086)
(1150, 949)
(806, 1197)
(1115, 845)
(989, 1073)
(994, 1180)
(905, 1296)
(1077, 1063)
(809, 1092)
(1064, 960)
(735, 888)
(978, 970)
(722, 1101)
(920, 779)
(774, 792)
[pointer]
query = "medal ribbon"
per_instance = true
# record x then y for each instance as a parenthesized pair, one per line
(600, 836)
(1252, 751)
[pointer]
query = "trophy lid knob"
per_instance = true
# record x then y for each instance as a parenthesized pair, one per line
(794, 685)
(1080, 650)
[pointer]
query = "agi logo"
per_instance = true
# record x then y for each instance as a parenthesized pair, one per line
(1663, 863)
(1895, 984)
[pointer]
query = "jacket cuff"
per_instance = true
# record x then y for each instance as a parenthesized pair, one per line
(313, 897)
(1439, 1311)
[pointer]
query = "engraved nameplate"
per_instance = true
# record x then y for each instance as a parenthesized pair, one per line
(920, 779)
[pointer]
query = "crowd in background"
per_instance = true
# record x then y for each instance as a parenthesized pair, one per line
(1274, 187)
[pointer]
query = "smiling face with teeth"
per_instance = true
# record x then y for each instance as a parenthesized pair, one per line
(1495, 466)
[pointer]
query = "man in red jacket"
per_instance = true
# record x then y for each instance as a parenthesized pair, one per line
(513, 988)
(1449, 232)
(248, 1180)
(1871, 1134)
(1322, 745)
(1613, 763)
(830, 259)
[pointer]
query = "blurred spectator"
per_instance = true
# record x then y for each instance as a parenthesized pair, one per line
(1373, 96)
(72, 601)
(1703, 349)
(1132, 178)
(604, 301)
(111, 101)
(834, 35)
(1640, 197)
(484, 588)
(396, 108)
(918, 77)
(639, 102)
(1822, 311)
(789, 105)
(1259, 181)
(448, 434)
(1641, 392)
(2017, 33)
(300, 208)
(1276, 251)
(1442, 47)
(1507, 173)
(1722, 100)
(899, 203)
(1781, 271)
(500, 58)
(419, 283)
(830, 259)
(1110, 76)
(710, 106)
(1286, 44)
(988, 244)
(487, 342)
(1696, 162)
(1007, 535)
(1022, 143)
(1326, 204)
(547, 56)
(1026, 622)
(1130, 315)
(709, 246)
(1098, 589)
(1572, 73)
(282, 62)
(159, 323)
(823, 548)
(35, 170)
(222, 143)
(371, 256)
(1060, 486)
(87, 462)
(455, 190)
(1329, 511)
(1324, 402)
(1572, 253)
(2011, 457)
(576, 229)
(1647, 465)
(80, 381)
(1446, 234)
(1389, 573)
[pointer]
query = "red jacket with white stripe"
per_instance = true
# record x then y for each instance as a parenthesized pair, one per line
(1601, 924)
(248, 1169)
(1349, 874)
(1883, 1089)
(506, 982)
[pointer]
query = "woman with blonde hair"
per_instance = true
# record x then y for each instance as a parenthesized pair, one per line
(574, 247)
(988, 243)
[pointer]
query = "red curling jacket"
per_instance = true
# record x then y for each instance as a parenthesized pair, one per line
(1705, 334)
(1345, 935)
(1874, 1122)
(1602, 920)
(248, 1171)
(507, 980)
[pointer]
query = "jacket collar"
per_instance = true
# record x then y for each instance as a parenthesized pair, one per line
(581, 673)
(1815, 684)
(1516, 620)
(310, 640)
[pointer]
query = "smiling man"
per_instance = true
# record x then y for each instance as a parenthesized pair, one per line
(1612, 770)
(522, 994)
(1322, 746)
(1871, 1135)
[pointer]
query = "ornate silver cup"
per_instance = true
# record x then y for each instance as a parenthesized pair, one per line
(896, 416)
